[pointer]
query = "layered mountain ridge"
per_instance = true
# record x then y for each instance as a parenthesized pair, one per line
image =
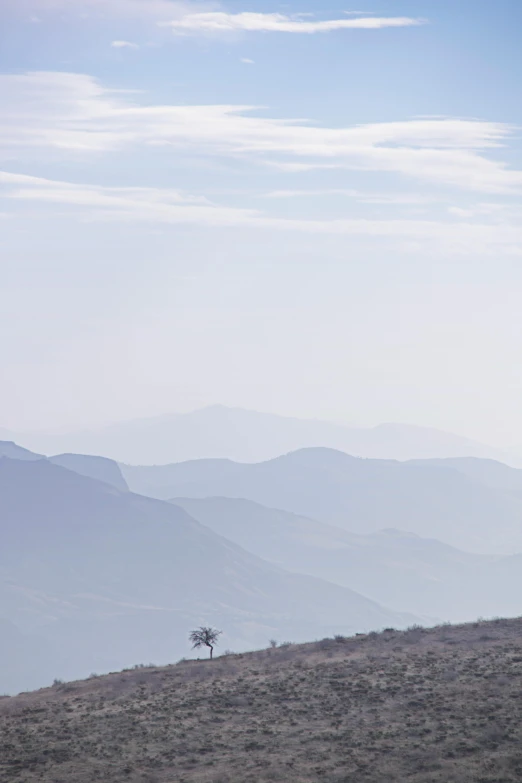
(109, 578)
(252, 436)
(446, 500)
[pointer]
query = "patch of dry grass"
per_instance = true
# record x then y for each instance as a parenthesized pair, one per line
(437, 706)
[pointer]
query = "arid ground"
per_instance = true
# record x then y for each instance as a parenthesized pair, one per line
(440, 705)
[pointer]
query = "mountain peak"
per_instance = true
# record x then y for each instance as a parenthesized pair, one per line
(221, 431)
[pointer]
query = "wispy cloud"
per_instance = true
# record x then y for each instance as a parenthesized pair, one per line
(247, 60)
(124, 45)
(148, 9)
(171, 207)
(75, 113)
(400, 199)
(158, 205)
(222, 22)
(495, 212)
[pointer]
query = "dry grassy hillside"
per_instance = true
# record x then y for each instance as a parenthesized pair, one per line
(439, 705)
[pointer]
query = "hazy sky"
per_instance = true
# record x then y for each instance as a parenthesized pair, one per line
(301, 209)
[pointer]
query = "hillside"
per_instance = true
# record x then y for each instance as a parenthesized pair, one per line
(251, 436)
(360, 495)
(490, 472)
(109, 578)
(99, 468)
(421, 575)
(10, 449)
(423, 706)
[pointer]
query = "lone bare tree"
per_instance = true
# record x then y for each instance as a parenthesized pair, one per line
(205, 637)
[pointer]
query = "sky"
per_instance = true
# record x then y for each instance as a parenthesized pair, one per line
(307, 210)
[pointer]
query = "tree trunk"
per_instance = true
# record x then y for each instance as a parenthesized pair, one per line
(211, 651)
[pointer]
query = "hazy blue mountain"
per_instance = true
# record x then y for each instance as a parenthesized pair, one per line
(360, 495)
(250, 436)
(99, 468)
(111, 578)
(487, 471)
(421, 575)
(10, 449)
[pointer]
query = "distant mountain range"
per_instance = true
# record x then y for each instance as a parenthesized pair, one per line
(9, 448)
(105, 565)
(470, 504)
(100, 468)
(250, 436)
(420, 575)
(101, 578)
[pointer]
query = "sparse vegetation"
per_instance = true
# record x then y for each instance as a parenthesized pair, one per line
(205, 637)
(371, 708)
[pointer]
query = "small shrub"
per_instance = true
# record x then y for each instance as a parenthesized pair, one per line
(450, 675)
(238, 701)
